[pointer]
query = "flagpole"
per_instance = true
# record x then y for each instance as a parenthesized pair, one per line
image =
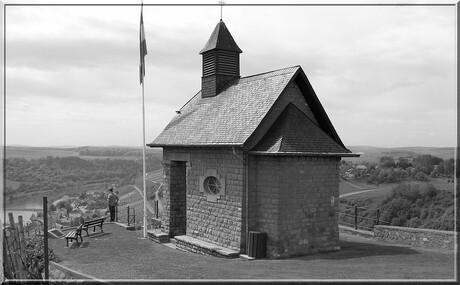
(143, 53)
(143, 163)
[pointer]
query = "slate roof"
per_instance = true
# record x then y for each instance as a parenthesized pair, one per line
(294, 132)
(221, 39)
(231, 117)
(228, 118)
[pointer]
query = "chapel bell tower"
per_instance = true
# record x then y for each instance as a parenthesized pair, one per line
(221, 61)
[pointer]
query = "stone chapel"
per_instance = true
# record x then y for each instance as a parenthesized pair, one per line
(251, 154)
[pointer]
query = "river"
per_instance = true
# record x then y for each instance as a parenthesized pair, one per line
(24, 207)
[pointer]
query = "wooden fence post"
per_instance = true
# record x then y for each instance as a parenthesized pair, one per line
(378, 216)
(156, 208)
(128, 216)
(15, 251)
(356, 217)
(7, 262)
(45, 237)
(22, 241)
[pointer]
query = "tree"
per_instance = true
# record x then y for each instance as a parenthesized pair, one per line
(52, 208)
(66, 205)
(82, 196)
(403, 163)
(427, 162)
(420, 176)
(449, 167)
(387, 162)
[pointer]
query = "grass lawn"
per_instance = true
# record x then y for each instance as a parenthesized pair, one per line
(359, 189)
(118, 254)
(380, 192)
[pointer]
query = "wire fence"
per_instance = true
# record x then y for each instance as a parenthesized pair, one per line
(360, 217)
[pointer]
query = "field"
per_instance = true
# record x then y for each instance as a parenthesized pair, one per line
(12, 184)
(38, 152)
(373, 154)
(380, 192)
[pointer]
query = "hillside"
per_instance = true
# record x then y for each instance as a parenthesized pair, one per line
(372, 153)
(132, 196)
(86, 152)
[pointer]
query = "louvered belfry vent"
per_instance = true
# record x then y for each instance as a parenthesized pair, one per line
(228, 62)
(221, 61)
(209, 66)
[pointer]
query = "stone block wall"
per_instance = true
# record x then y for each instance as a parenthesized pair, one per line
(222, 221)
(153, 223)
(295, 201)
(426, 238)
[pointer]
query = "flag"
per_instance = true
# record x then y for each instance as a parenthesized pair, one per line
(143, 49)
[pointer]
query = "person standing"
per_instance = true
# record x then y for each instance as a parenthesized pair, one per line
(112, 198)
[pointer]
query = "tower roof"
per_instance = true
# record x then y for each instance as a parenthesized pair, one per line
(221, 39)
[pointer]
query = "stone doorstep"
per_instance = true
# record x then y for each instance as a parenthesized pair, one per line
(222, 251)
(158, 236)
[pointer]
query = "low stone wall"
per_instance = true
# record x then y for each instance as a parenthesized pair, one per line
(416, 237)
(190, 244)
(158, 236)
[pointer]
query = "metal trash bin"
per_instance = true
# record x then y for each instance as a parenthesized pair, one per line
(257, 245)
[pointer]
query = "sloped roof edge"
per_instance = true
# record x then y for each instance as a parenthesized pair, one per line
(347, 154)
(316, 106)
(294, 132)
(300, 78)
(195, 145)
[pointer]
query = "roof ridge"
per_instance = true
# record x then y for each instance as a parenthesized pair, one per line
(272, 71)
(199, 92)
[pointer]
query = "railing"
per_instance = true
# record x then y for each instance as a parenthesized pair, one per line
(360, 217)
(127, 216)
(131, 216)
(156, 209)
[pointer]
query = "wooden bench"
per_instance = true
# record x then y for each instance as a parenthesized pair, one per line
(73, 235)
(93, 223)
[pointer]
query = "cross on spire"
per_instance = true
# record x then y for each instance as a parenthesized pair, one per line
(221, 3)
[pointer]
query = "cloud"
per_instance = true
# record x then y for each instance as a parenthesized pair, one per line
(380, 72)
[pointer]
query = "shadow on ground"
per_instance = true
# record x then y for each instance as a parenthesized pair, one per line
(356, 249)
(74, 245)
(96, 235)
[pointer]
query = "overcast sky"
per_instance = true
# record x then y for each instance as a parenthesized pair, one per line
(386, 75)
